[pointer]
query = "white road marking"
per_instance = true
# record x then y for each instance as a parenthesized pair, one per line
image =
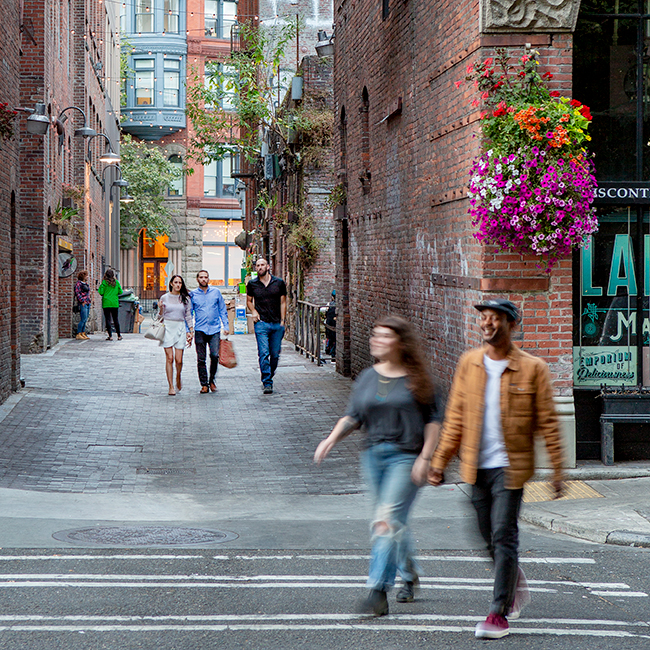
(11, 558)
(341, 627)
(422, 558)
(618, 594)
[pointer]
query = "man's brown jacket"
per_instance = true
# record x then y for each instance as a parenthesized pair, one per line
(527, 409)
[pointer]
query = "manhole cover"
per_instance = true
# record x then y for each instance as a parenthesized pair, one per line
(112, 536)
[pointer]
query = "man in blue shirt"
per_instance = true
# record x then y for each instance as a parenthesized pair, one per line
(210, 315)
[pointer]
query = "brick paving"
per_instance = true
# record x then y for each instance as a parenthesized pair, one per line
(95, 417)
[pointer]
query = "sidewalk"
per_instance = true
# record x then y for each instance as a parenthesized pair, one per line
(94, 438)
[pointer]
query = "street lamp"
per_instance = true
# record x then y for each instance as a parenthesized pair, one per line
(109, 156)
(38, 122)
(325, 46)
(84, 132)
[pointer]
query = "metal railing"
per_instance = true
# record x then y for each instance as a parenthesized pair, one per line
(310, 331)
(146, 297)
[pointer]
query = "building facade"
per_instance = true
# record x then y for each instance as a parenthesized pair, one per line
(406, 138)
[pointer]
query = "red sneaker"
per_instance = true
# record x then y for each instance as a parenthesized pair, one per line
(495, 626)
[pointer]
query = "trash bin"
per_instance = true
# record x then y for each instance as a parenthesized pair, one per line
(126, 312)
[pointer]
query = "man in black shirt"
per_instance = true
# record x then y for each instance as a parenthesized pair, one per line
(267, 303)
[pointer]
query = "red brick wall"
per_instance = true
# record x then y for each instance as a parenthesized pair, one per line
(9, 213)
(411, 246)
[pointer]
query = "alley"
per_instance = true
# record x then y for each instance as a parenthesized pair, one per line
(95, 417)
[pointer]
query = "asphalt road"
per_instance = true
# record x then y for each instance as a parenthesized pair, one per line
(584, 596)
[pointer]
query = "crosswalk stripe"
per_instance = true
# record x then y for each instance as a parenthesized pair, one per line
(342, 627)
(22, 558)
(421, 558)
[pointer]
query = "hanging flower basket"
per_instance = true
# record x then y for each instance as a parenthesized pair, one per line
(531, 191)
(6, 121)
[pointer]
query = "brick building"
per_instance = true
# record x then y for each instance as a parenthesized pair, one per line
(406, 138)
(70, 58)
(9, 208)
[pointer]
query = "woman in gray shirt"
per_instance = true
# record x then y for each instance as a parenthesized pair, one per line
(395, 401)
(175, 310)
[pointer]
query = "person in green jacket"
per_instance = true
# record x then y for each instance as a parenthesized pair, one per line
(110, 290)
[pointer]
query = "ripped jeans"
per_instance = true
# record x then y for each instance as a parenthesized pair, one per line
(388, 473)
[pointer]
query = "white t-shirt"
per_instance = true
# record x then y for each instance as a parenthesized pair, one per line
(493, 450)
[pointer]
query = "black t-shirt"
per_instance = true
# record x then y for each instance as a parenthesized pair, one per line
(389, 412)
(267, 299)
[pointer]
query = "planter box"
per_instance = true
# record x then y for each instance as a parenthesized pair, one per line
(623, 404)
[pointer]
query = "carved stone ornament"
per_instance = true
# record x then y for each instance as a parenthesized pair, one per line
(502, 16)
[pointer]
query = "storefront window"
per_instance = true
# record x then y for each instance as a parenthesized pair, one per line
(222, 258)
(611, 280)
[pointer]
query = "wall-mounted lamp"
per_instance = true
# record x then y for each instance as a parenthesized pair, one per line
(109, 156)
(83, 132)
(325, 46)
(38, 121)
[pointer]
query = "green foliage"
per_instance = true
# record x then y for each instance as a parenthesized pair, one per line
(148, 173)
(337, 196)
(126, 71)
(315, 122)
(243, 83)
(303, 240)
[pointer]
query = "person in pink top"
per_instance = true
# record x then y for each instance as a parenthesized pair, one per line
(175, 310)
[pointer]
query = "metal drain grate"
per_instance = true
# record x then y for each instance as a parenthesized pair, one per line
(164, 471)
(543, 491)
(143, 536)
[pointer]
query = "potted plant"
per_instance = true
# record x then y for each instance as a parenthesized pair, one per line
(532, 187)
(6, 121)
(625, 400)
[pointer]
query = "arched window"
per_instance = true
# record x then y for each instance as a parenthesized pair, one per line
(364, 112)
(176, 187)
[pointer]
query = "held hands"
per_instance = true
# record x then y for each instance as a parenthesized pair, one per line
(435, 477)
(419, 471)
(558, 489)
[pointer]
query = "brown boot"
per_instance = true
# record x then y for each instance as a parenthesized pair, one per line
(80, 337)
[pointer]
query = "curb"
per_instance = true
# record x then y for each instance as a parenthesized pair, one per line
(628, 538)
(615, 537)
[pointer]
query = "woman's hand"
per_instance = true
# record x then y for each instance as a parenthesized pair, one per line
(419, 471)
(323, 449)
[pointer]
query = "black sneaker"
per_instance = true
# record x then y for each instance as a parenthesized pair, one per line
(268, 390)
(407, 593)
(376, 603)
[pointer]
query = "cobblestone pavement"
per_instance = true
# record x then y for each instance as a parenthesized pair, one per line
(95, 417)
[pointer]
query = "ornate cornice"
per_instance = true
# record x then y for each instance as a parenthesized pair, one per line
(528, 15)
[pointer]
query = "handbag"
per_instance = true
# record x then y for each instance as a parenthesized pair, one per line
(227, 356)
(156, 332)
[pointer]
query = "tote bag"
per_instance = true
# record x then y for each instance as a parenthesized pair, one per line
(156, 332)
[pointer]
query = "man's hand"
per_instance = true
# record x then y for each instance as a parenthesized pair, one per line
(419, 471)
(256, 317)
(435, 477)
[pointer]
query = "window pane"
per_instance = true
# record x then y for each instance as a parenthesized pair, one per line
(144, 15)
(176, 187)
(214, 262)
(229, 18)
(171, 23)
(235, 259)
(144, 87)
(172, 86)
(210, 179)
(227, 183)
(234, 228)
(211, 18)
(229, 89)
(215, 231)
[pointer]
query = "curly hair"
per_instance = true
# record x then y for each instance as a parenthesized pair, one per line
(419, 378)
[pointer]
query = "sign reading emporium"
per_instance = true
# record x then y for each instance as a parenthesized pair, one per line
(624, 192)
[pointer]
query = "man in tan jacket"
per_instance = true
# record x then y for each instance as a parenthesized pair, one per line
(500, 398)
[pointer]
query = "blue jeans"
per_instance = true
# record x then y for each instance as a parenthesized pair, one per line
(84, 310)
(269, 341)
(388, 473)
(497, 509)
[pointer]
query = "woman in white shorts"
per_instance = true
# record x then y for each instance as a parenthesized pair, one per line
(175, 309)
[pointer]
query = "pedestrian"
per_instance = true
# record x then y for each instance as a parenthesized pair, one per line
(395, 401)
(210, 316)
(175, 310)
(110, 291)
(82, 294)
(500, 398)
(330, 326)
(267, 303)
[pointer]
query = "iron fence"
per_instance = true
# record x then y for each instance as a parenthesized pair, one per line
(310, 331)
